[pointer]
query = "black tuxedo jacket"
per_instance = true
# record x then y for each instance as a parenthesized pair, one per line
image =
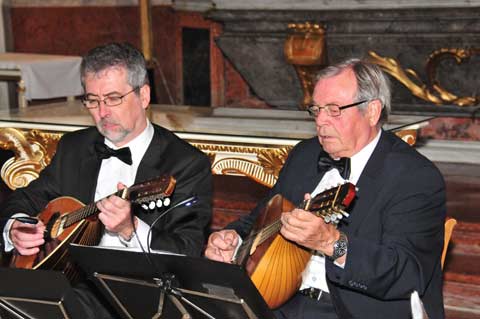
(395, 229)
(74, 170)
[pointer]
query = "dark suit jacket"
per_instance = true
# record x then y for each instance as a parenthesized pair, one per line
(395, 230)
(74, 170)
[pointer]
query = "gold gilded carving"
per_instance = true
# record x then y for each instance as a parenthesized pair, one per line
(436, 93)
(272, 161)
(33, 151)
(408, 136)
(305, 49)
(224, 148)
(460, 55)
(240, 166)
(264, 170)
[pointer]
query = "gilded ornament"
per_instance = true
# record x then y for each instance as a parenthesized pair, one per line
(32, 150)
(305, 49)
(434, 92)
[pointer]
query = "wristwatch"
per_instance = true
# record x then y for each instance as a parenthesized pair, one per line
(340, 247)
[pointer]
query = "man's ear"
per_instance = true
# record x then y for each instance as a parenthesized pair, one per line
(145, 95)
(374, 110)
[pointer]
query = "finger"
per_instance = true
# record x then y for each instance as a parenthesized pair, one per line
(231, 237)
(290, 220)
(25, 241)
(115, 203)
(227, 256)
(303, 215)
(27, 251)
(288, 234)
(101, 206)
(307, 196)
(217, 254)
(121, 186)
(18, 224)
(220, 243)
(28, 244)
(27, 230)
(20, 236)
(213, 254)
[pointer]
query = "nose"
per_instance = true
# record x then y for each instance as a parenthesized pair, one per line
(322, 116)
(103, 110)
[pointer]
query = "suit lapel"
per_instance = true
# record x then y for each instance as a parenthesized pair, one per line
(89, 168)
(370, 183)
(149, 165)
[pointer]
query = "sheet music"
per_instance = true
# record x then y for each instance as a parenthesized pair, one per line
(133, 249)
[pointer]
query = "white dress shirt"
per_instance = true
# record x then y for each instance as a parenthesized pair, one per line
(314, 274)
(114, 171)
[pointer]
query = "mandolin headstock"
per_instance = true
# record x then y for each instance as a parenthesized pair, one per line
(331, 203)
(153, 193)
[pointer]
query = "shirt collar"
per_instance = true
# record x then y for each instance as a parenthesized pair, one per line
(138, 146)
(359, 160)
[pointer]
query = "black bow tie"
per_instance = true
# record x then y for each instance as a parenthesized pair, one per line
(325, 162)
(104, 152)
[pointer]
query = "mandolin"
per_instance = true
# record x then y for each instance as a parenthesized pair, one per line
(67, 220)
(275, 264)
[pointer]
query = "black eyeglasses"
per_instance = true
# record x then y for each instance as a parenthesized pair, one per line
(108, 101)
(332, 109)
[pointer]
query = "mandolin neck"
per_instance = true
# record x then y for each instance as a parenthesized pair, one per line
(91, 209)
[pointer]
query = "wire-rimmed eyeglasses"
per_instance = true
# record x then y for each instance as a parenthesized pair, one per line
(331, 109)
(108, 101)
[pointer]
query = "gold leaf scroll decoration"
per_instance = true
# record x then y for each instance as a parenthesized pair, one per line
(32, 150)
(264, 172)
(410, 79)
(460, 55)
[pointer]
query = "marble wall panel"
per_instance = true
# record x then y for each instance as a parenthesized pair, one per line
(253, 41)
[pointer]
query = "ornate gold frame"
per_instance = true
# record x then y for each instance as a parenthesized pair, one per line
(34, 149)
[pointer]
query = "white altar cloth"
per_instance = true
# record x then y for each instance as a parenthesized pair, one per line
(45, 76)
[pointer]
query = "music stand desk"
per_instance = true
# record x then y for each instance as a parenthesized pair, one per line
(26, 293)
(171, 286)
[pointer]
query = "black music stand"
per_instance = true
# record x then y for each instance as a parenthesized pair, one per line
(172, 286)
(26, 293)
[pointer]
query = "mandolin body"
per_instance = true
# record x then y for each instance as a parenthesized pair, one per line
(277, 264)
(53, 255)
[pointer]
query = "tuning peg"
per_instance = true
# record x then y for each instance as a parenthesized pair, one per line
(152, 205)
(159, 203)
(166, 201)
(144, 206)
(344, 213)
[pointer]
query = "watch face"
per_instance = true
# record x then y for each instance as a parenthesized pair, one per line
(340, 247)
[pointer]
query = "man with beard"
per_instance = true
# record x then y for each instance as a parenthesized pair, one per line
(123, 149)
